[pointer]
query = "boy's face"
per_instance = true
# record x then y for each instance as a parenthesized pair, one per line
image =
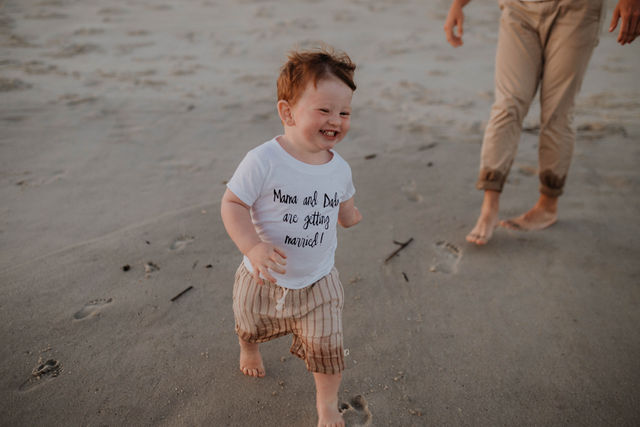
(322, 115)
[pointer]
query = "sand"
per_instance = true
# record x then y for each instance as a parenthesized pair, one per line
(121, 121)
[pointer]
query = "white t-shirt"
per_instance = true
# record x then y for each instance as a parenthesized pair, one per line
(294, 205)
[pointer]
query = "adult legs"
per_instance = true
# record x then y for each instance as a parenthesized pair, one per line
(518, 68)
(571, 33)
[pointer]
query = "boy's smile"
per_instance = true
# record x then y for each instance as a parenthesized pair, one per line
(318, 120)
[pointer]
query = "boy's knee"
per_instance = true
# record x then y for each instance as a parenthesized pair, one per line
(323, 355)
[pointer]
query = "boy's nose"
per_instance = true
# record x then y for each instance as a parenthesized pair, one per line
(334, 119)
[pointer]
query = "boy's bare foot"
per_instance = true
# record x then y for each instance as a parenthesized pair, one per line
(250, 359)
(542, 215)
(488, 220)
(327, 399)
(328, 415)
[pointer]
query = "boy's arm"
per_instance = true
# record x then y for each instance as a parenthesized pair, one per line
(455, 18)
(237, 222)
(348, 215)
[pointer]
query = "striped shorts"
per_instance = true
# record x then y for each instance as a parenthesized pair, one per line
(312, 314)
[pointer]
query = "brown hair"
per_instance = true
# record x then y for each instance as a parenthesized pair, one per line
(305, 66)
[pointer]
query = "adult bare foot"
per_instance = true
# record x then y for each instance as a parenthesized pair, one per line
(541, 216)
(483, 231)
(250, 359)
(488, 220)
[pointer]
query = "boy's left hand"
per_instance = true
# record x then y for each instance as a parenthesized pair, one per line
(357, 216)
(348, 215)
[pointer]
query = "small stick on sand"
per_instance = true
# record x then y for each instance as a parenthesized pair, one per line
(402, 246)
(181, 293)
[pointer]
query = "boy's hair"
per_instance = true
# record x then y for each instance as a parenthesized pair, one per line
(305, 66)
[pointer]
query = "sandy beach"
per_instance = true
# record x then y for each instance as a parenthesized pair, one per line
(120, 122)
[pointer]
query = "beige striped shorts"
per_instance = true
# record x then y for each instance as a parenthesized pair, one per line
(312, 314)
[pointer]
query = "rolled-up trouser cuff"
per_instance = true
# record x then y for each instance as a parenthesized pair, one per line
(551, 192)
(491, 180)
(551, 184)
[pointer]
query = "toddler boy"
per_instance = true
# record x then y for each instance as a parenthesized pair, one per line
(281, 208)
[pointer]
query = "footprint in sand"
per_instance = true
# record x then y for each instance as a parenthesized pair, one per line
(91, 308)
(43, 372)
(356, 413)
(409, 190)
(181, 242)
(447, 258)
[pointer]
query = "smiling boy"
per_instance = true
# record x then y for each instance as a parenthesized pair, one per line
(281, 208)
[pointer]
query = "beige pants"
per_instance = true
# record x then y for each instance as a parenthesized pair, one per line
(546, 44)
(312, 314)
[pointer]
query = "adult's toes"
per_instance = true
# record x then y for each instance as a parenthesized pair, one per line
(481, 240)
(511, 224)
(478, 239)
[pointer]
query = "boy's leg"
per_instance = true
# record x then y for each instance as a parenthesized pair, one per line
(327, 386)
(318, 341)
(256, 318)
(251, 359)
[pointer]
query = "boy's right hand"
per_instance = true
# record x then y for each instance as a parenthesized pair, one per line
(265, 257)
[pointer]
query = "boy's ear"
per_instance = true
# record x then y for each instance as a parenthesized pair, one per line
(285, 113)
